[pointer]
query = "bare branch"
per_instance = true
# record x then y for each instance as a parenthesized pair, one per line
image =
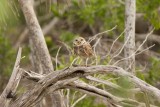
(81, 98)
(93, 90)
(62, 77)
(135, 53)
(57, 56)
(114, 42)
(95, 36)
(10, 90)
(121, 49)
(111, 99)
(110, 84)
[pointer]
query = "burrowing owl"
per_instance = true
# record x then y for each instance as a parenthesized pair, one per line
(82, 48)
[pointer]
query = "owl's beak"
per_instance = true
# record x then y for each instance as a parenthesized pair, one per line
(79, 43)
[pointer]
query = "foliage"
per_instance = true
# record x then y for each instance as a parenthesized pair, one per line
(101, 13)
(67, 37)
(153, 74)
(7, 56)
(150, 9)
(7, 14)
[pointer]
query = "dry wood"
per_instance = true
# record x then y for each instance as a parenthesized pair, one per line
(13, 83)
(57, 80)
(111, 99)
(130, 11)
(112, 85)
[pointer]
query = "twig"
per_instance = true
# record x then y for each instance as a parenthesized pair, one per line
(91, 89)
(110, 84)
(81, 98)
(134, 54)
(120, 50)
(114, 43)
(68, 98)
(145, 40)
(95, 36)
(111, 99)
(69, 49)
(57, 57)
(94, 49)
(75, 59)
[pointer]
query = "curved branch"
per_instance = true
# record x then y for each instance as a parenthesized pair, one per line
(57, 80)
(12, 85)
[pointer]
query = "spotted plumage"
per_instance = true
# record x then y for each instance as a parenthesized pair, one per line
(82, 48)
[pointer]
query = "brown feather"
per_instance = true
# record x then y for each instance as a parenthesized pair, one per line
(82, 48)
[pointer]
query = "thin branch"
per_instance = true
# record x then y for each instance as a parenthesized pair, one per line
(120, 50)
(110, 84)
(57, 57)
(111, 99)
(68, 98)
(94, 90)
(135, 53)
(95, 36)
(81, 98)
(115, 42)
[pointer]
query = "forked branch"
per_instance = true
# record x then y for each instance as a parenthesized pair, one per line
(59, 79)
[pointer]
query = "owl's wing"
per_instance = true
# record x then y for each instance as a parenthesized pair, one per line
(88, 49)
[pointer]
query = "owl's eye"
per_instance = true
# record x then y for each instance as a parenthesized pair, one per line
(76, 40)
(81, 39)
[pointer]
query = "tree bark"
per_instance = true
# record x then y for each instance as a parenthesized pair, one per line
(41, 59)
(62, 78)
(130, 9)
(36, 36)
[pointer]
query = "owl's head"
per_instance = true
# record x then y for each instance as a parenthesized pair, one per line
(78, 41)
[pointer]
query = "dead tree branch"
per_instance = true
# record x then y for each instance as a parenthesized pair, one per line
(57, 80)
(13, 83)
(111, 99)
(110, 84)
